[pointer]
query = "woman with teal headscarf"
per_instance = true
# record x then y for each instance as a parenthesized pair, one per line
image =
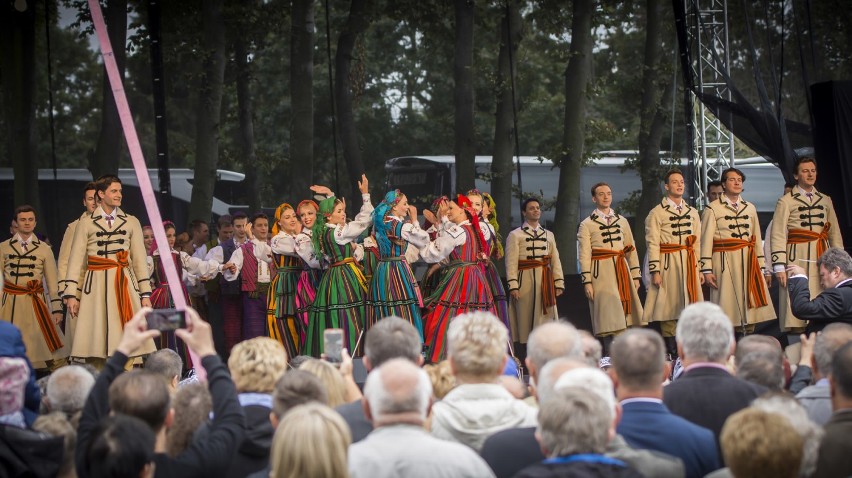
(339, 303)
(393, 289)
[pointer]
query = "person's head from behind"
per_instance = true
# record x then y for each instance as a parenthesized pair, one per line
(789, 408)
(574, 421)
(167, 364)
(192, 404)
(319, 451)
(67, 389)
(332, 380)
(476, 347)
(256, 364)
(758, 343)
(762, 368)
(592, 349)
(121, 447)
(14, 374)
(143, 395)
(295, 388)
(759, 443)
(840, 379)
(397, 392)
(549, 341)
(391, 338)
(548, 376)
(704, 334)
(638, 362)
(57, 424)
(829, 341)
(835, 266)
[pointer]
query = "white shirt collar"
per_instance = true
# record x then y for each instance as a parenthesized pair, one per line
(674, 204)
(842, 282)
(641, 400)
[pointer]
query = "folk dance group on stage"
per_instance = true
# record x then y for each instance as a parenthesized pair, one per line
(316, 271)
(723, 251)
(320, 271)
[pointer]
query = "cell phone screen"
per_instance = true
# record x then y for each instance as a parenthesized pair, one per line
(333, 345)
(166, 319)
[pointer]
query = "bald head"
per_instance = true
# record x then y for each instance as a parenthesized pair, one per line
(397, 392)
(552, 340)
(551, 372)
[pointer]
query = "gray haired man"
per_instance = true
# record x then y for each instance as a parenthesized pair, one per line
(834, 303)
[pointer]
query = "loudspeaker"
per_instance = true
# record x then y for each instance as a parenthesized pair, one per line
(832, 113)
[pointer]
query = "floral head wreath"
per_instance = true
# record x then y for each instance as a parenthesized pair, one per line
(278, 212)
(463, 202)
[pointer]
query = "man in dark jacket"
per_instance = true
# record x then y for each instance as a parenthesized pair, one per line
(707, 394)
(835, 447)
(203, 458)
(834, 304)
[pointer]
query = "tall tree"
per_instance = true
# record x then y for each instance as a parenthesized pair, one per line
(504, 124)
(302, 35)
(111, 138)
(209, 109)
(245, 112)
(657, 91)
(357, 22)
(18, 63)
(577, 75)
(463, 98)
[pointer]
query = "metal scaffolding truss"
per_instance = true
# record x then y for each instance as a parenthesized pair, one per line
(713, 144)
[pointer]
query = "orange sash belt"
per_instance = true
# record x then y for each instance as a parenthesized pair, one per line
(692, 264)
(122, 286)
(756, 292)
(801, 236)
(622, 273)
(548, 290)
(34, 289)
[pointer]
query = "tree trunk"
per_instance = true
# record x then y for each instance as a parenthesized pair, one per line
(245, 112)
(208, 110)
(656, 94)
(355, 25)
(111, 138)
(465, 141)
(577, 75)
(301, 96)
(18, 60)
(504, 129)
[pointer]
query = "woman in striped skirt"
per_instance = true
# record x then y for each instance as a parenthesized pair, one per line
(463, 286)
(161, 296)
(483, 206)
(393, 289)
(340, 296)
(312, 269)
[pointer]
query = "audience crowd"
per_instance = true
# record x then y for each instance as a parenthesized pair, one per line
(730, 409)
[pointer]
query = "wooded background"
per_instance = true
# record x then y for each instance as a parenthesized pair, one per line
(300, 92)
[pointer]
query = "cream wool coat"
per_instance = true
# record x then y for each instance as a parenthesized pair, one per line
(527, 311)
(607, 313)
(665, 225)
(62, 264)
(99, 327)
(795, 211)
(721, 221)
(20, 267)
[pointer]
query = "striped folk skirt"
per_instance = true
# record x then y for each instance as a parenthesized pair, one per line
(339, 304)
(394, 292)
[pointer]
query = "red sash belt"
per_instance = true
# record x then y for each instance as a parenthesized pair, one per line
(35, 289)
(622, 272)
(801, 236)
(692, 264)
(122, 286)
(548, 289)
(756, 292)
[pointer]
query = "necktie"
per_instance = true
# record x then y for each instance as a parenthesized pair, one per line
(24, 245)
(734, 205)
(679, 208)
(608, 220)
(810, 196)
(109, 220)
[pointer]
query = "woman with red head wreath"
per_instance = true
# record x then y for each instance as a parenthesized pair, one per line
(463, 286)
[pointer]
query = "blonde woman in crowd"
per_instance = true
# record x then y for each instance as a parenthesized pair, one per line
(320, 451)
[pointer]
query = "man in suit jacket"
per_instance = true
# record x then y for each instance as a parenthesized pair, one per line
(638, 363)
(835, 447)
(706, 393)
(834, 304)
